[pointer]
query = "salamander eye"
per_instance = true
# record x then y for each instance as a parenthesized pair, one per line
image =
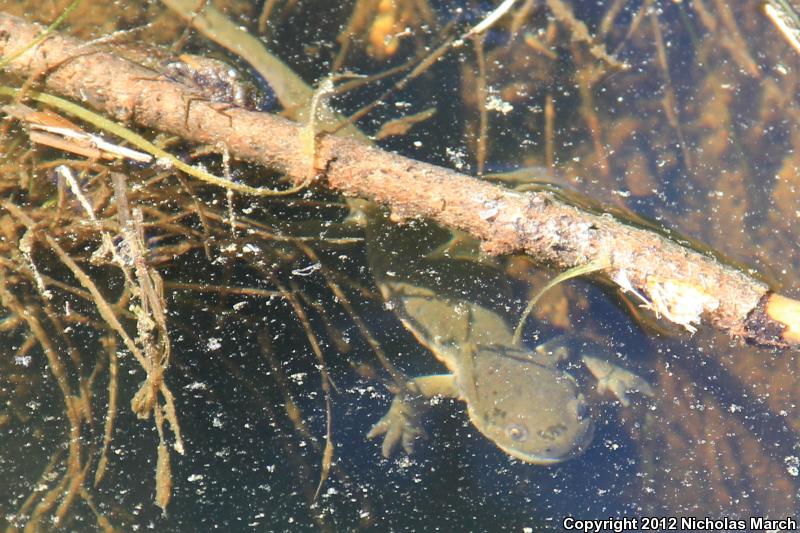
(582, 412)
(517, 432)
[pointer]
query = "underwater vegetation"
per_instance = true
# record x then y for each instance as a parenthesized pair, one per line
(227, 253)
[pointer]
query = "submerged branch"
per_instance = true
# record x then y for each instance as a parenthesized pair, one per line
(678, 283)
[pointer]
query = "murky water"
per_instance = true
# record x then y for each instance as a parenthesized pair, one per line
(697, 134)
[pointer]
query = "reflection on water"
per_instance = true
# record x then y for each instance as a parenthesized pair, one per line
(698, 133)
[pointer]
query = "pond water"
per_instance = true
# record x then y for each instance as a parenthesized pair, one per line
(682, 113)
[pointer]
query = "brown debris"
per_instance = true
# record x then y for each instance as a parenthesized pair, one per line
(780, 316)
(402, 125)
(716, 461)
(681, 284)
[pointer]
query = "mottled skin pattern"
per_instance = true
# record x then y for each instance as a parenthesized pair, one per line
(216, 80)
(518, 398)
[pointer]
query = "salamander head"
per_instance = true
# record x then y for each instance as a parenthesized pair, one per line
(531, 411)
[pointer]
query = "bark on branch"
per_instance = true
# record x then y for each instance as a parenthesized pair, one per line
(680, 284)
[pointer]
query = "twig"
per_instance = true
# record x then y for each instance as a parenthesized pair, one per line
(687, 286)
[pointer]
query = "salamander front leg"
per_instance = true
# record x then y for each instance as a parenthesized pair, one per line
(402, 422)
